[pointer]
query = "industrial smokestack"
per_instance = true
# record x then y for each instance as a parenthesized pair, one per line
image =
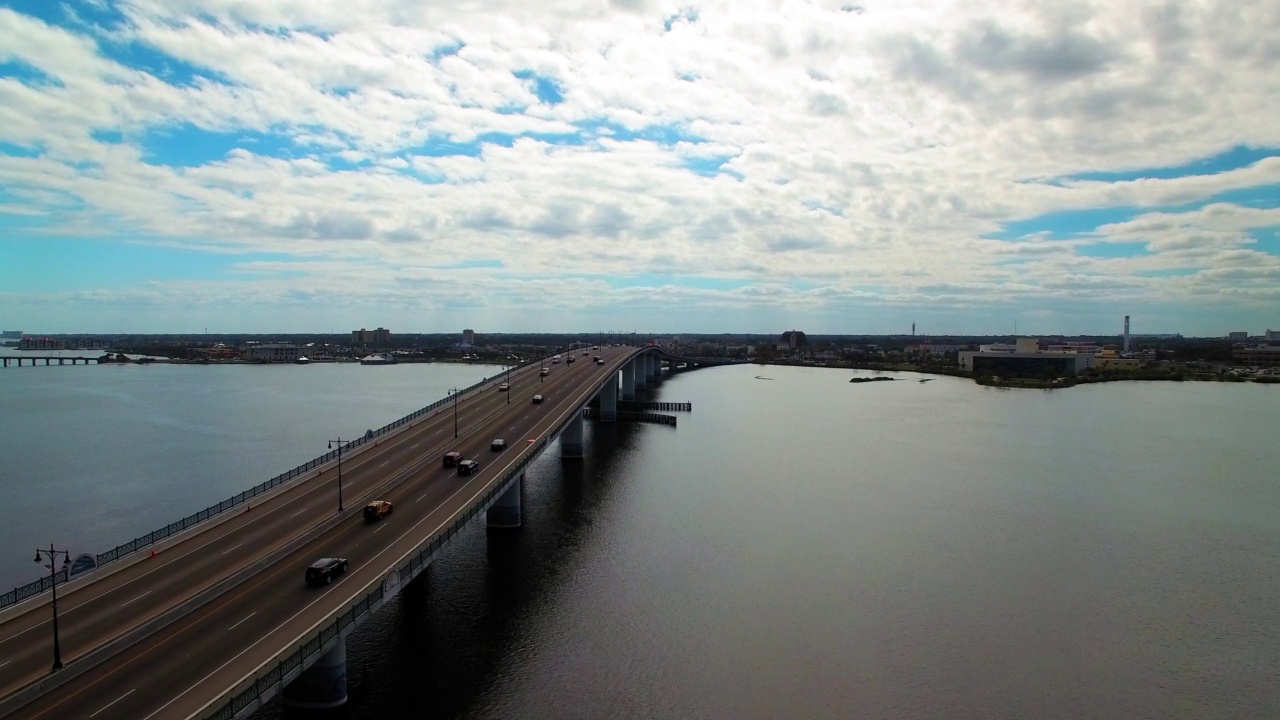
(1126, 333)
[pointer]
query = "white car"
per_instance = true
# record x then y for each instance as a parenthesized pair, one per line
(537, 399)
(503, 387)
(498, 445)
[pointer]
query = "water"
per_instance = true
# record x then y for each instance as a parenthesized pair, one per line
(806, 547)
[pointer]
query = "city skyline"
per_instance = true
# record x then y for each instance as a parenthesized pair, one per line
(167, 167)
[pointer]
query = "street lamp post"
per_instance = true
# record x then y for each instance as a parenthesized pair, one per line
(454, 393)
(508, 383)
(53, 586)
(339, 443)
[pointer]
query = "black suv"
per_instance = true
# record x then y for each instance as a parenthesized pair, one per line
(468, 467)
(451, 458)
(324, 570)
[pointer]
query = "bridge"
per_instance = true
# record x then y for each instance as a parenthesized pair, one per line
(209, 617)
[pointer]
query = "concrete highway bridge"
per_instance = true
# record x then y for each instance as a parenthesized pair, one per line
(210, 616)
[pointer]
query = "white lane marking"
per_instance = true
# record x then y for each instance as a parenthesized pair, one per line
(299, 512)
(6, 662)
(137, 598)
(384, 462)
(22, 632)
(413, 446)
(113, 702)
(421, 496)
(380, 528)
(246, 617)
(224, 552)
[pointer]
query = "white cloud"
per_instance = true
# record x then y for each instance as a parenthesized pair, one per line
(868, 153)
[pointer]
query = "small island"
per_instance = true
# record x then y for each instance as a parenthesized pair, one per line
(871, 379)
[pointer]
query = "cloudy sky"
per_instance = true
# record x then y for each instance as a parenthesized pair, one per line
(316, 166)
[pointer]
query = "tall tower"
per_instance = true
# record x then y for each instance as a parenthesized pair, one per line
(1126, 334)
(913, 329)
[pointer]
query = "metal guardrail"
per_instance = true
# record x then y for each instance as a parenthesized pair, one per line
(32, 589)
(273, 673)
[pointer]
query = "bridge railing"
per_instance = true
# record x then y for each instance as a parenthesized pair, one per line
(32, 589)
(264, 682)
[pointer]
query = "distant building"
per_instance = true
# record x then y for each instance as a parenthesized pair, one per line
(1024, 359)
(1257, 356)
(381, 336)
(934, 350)
(1111, 360)
(794, 339)
(1272, 335)
(41, 343)
(469, 336)
(272, 352)
(11, 335)
(1239, 335)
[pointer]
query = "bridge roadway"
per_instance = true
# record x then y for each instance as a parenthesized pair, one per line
(174, 671)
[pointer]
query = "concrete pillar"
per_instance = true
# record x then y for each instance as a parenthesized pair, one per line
(654, 367)
(571, 438)
(629, 379)
(324, 684)
(641, 378)
(506, 514)
(609, 400)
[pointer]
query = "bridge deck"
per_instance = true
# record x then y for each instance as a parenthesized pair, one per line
(251, 565)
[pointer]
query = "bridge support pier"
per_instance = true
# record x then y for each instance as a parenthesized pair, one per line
(609, 401)
(571, 438)
(324, 684)
(653, 369)
(506, 513)
(641, 374)
(629, 379)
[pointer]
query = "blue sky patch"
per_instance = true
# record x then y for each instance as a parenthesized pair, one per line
(710, 166)
(689, 15)
(173, 71)
(1113, 250)
(189, 146)
(27, 74)
(38, 264)
(1233, 159)
(546, 89)
(1066, 223)
(13, 150)
(442, 51)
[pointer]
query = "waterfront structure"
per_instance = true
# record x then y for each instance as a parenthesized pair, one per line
(41, 343)
(1257, 356)
(1111, 360)
(1022, 359)
(11, 335)
(380, 336)
(272, 353)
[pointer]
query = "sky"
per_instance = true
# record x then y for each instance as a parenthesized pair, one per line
(289, 166)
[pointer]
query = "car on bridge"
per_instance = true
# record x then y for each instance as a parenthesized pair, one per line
(545, 372)
(452, 458)
(537, 399)
(324, 570)
(377, 510)
(503, 387)
(498, 445)
(569, 360)
(468, 467)
(599, 362)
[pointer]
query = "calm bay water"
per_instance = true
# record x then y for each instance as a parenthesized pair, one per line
(798, 547)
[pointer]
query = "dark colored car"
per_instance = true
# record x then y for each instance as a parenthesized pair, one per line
(452, 458)
(468, 467)
(324, 570)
